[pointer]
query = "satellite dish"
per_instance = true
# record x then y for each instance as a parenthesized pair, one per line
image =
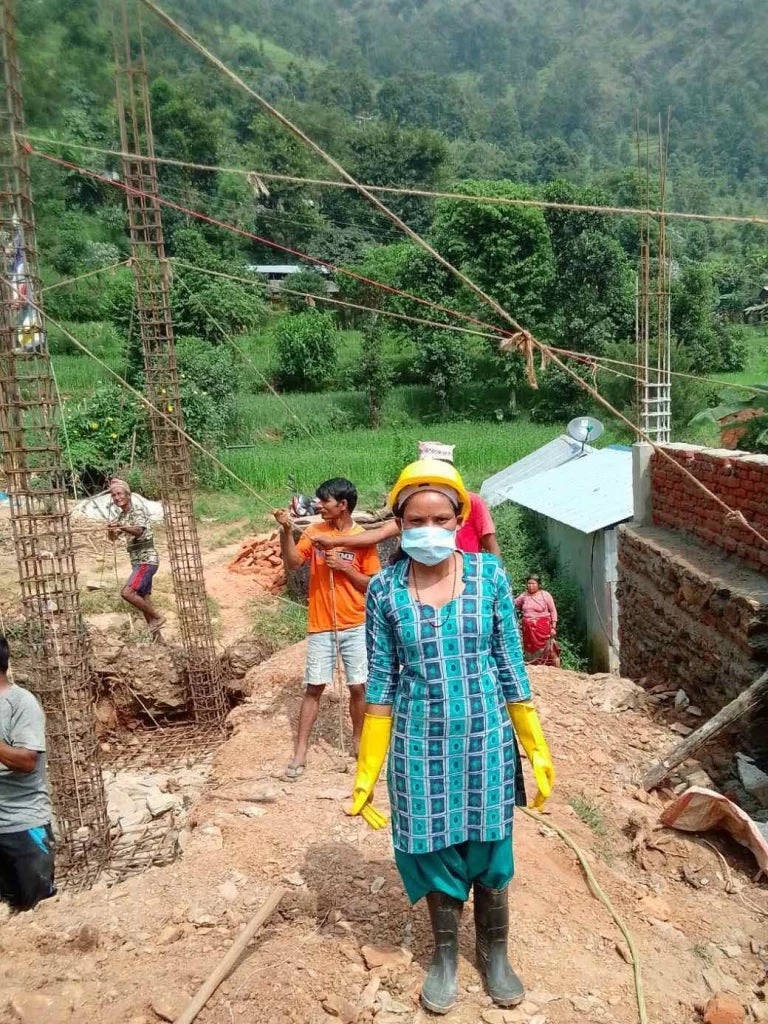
(585, 429)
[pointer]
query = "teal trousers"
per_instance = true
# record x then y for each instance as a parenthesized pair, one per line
(453, 870)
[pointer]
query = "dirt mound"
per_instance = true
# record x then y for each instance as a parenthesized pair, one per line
(111, 952)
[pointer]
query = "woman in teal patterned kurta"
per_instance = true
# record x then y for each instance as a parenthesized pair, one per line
(446, 680)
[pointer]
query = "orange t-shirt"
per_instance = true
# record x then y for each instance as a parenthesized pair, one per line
(350, 603)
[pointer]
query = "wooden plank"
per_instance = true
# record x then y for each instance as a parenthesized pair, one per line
(748, 700)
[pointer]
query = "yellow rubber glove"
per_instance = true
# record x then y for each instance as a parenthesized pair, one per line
(528, 729)
(374, 744)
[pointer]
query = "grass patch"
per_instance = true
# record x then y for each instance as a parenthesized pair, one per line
(590, 814)
(702, 951)
(279, 623)
(229, 537)
(756, 369)
(77, 375)
(373, 459)
(222, 508)
(279, 58)
(99, 602)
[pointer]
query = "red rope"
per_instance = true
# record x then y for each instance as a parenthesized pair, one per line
(265, 241)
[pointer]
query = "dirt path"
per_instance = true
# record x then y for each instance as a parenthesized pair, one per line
(105, 956)
(103, 569)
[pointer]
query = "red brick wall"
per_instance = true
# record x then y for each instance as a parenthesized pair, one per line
(738, 478)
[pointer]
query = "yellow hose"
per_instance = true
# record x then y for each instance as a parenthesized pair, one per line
(599, 892)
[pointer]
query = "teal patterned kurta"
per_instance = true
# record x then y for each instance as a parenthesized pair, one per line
(448, 674)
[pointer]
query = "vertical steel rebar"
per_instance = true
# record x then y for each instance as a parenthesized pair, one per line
(36, 483)
(152, 276)
(652, 299)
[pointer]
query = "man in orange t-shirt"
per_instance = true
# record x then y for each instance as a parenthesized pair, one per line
(338, 581)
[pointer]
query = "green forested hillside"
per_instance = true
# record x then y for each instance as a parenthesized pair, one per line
(516, 98)
(542, 85)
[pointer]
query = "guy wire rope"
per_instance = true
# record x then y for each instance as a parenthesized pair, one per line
(190, 212)
(620, 211)
(522, 341)
(546, 351)
(147, 404)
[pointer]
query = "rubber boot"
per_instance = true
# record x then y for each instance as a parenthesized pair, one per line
(491, 933)
(441, 986)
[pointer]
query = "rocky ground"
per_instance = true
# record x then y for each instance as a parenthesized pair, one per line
(344, 944)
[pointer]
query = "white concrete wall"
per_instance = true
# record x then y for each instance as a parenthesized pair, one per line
(590, 562)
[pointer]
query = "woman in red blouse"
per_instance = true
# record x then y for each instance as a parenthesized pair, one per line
(540, 645)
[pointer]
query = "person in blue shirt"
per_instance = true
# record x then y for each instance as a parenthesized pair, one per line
(446, 685)
(26, 838)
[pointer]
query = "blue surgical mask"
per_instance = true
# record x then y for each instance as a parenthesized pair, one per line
(428, 545)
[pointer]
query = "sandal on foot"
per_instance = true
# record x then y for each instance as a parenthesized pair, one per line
(294, 772)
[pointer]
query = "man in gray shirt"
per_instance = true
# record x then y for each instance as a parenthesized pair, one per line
(26, 837)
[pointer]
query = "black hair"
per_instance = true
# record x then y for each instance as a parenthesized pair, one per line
(4, 654)
(339, 489)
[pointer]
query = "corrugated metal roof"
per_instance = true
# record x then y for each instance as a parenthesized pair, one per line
(587, 493)
(497, 487)
(282, 268)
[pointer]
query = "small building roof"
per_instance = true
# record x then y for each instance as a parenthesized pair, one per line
(282, 268)
(587, 493)
(497, 488)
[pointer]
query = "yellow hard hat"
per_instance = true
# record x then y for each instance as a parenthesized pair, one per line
(430, 475)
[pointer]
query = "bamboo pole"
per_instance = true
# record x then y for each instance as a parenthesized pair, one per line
(225, 965)
(747, 701)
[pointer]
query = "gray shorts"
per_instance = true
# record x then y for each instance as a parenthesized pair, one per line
(321, 657)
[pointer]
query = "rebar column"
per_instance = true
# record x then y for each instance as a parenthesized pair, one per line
(171, 452)
(55, 634)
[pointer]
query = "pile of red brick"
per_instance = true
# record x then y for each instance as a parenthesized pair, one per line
(737, 478)
(259, 557)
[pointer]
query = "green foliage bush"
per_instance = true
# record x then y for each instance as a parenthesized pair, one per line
(755, 437)
(310, 281)
(101, 430)
(110, 428)
(444, 363)
(306, 351)
(209, 380)
(204, 307)
(375, 372)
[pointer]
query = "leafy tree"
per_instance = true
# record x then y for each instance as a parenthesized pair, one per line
(384, 154)
(348, 89)
(555, 159)
(343, 247)
(185, 131)
(206, 306)
(504, 249)
(692, 305)
(312, 283)
(432, 101)
(375, 372)
(591, 299)
(444, 363)
(306, 351)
